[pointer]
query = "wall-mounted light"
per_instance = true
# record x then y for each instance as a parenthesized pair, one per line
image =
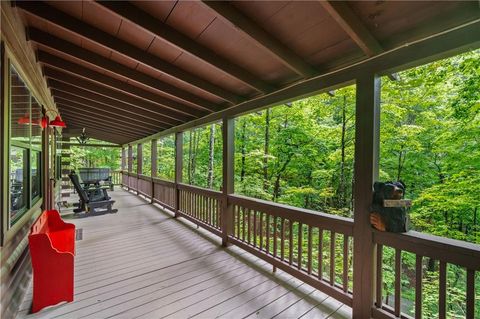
(57, 122)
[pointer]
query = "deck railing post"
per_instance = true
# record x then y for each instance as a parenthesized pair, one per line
(178, 168)
(153, 172)
(366, 172)
(130, 164)
(139, 162)
(228, 151)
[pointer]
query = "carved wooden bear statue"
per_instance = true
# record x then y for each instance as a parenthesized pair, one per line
(391, 219)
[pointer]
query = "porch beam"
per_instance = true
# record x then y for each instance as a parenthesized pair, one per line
(110, 42)
(82, 96)
(248, 27)
(170, 107)
(47, 40)
(367, 138)
(141, 18)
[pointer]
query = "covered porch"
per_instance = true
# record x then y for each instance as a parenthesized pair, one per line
(141, 262)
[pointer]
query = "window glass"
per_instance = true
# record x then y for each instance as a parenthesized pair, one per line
(35, 174)
(18, 182)
(20, 120)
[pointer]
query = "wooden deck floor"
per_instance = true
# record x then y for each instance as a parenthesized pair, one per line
(142, 263)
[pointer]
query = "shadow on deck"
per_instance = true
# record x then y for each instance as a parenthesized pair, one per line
(141, 262)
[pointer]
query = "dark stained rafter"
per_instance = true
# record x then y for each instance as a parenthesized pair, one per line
(90, 107)
(66, 104)
(141, 18)
(95, 133)
(109, 127)
(102, 122)
(262, 38)
(112, 94)
(353, 26)
(70, 23)
(174, 109)
(87, 97)
(97, 60)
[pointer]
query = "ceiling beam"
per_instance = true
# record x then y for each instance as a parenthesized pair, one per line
(87, 98)
(241, 22)
(109, 93)
(102, 121)
(66, 116)
(64, 98)
(141, 18)
(106, 40)
(70, 49)
(172, 107)
(353, 26)
(90, 145)
(65, 104)
(102, 136)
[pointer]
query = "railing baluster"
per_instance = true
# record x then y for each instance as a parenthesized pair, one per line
(442, 291)
(345, 263)
(320, 253)
(274, 236)
(332, 257)
(398, 276)
(309, 250)
(470, 293)
(282, 239)
(418, 287)
(267, 227)
(300, 246)
(261, 230)
(237, 220)
(244, 221)
(379, 302)
(254, 228)
(249, 226)
(290, 241)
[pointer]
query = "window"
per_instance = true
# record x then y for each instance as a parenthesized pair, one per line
(24, 147)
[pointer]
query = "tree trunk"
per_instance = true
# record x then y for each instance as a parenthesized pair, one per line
(211, 146)
(276, 188)
(266, 147)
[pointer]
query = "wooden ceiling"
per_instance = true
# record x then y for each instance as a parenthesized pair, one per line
(126, 70)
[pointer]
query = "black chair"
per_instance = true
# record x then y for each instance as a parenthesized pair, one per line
(92, 199)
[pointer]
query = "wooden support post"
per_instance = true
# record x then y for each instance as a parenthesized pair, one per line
(178, 168)
(366, 172)
(47, 186)
(228, 135)
(130, 165)
(124, 159)
(153, 172)
(139, 162)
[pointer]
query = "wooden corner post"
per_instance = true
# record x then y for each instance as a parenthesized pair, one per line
(153, 162)
(367, 137)
(130, 165)
(228, 150)
(178, 168)
(139, 163)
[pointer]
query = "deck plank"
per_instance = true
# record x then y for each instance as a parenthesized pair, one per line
(141, 262)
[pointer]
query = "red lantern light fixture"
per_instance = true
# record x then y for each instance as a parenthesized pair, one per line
(57, 122)
(43, 122)
(25, 120)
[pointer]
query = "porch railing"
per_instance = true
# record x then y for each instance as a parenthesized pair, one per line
(314, 247)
